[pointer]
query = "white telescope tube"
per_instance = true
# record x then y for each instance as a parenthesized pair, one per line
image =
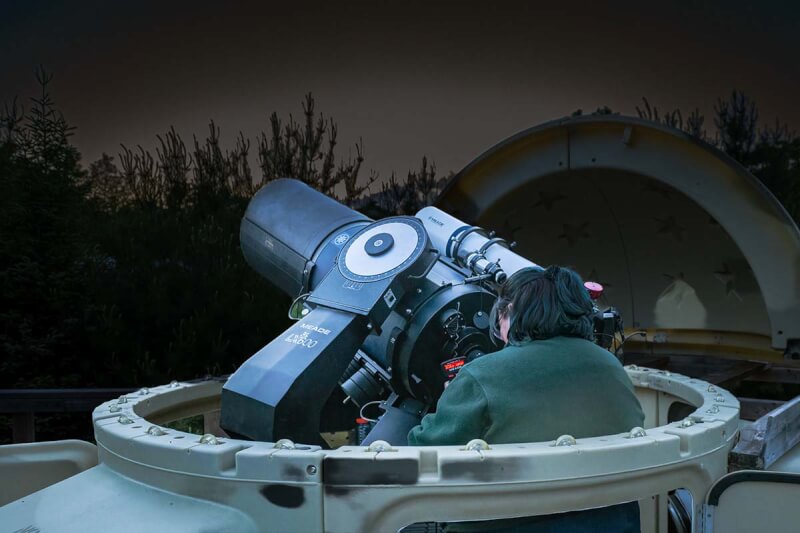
(463, 243)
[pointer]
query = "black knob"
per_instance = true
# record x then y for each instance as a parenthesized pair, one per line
(379, 244)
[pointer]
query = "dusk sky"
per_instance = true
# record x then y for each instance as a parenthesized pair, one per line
(444, 81)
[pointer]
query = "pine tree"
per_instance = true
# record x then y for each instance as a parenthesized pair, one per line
(43, 268)
(306, 151)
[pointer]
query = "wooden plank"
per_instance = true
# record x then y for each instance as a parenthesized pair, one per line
(64, 393)
(22, 429)
(650, 361)
(55, 400)
(768, 438)
(776, 375)
(755, 408)
(736, 373)
(719, 371)
(211, 423)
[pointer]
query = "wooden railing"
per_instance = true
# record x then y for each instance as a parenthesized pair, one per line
(24, 404)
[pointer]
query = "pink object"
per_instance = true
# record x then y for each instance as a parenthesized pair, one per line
(594, 288)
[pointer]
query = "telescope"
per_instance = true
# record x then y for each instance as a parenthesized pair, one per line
(386, 312)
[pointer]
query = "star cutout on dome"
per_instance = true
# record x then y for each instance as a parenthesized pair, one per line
(548, 199)
(728, 279)
(670, 226)
(508, 229)
(652, 186)
(574, 233)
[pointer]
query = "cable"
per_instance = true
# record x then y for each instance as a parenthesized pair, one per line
(625, 339)
(361, 411)
(607, 335)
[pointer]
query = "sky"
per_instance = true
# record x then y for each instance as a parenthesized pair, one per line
(446, 80)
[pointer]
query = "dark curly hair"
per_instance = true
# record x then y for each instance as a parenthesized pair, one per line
(543, 304)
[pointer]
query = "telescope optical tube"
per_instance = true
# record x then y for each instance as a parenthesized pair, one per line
(470, 246)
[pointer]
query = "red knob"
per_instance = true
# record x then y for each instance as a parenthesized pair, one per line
(594, 288)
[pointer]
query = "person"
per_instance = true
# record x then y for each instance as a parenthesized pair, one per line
(548, 380)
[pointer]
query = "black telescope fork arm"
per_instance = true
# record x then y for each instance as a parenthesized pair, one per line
(280, 391)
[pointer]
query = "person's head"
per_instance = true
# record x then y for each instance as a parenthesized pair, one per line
(536, 304)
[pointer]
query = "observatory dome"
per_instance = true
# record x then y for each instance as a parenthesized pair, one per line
(688, 244)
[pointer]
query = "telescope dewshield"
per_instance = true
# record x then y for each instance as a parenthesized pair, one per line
(291, 234)
(457, 241)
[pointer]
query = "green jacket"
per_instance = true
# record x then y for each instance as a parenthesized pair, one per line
(532, 393)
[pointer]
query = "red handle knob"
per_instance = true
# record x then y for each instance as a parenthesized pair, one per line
(594, 288)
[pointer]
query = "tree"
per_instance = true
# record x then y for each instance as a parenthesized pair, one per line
(419, 189)
(307, 152)
(693, 125)
(771, 153)
(736, 120)
(174, 165)
(144, 182)
(43, 266)
(105, 184)
(220, 174)
(775, 160)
